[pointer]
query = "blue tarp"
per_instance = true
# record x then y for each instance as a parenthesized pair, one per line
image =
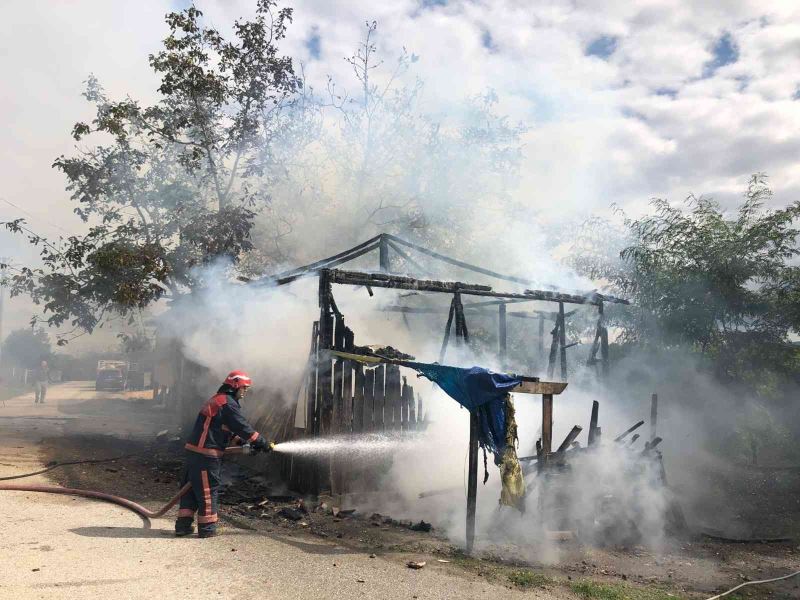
(481, 390)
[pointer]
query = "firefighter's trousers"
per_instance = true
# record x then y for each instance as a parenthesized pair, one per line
(203, 472)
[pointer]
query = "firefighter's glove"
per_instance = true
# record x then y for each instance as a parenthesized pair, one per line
(261, 444)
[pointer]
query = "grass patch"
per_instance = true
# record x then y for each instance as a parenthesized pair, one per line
(529, 579)
(589, 590)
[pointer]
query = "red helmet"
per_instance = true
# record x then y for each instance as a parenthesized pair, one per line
(238, 379)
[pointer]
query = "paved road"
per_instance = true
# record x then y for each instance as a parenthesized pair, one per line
(61, 547)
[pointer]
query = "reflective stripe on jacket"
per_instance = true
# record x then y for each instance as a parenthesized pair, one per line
(220, 417)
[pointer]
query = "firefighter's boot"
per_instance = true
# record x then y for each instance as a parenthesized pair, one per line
(184, 526)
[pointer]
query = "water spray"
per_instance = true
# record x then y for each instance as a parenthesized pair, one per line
(352, 446)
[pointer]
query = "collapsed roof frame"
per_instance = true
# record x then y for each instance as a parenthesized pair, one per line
(321, 403)
(385, 242)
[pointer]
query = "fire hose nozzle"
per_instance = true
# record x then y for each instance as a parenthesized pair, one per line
(272, 445)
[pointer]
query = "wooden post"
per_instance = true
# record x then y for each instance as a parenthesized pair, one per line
(593, 423)
(653, 416)
(547, 425)
(472, 480)
(383, 249)
(562, 341)
(502, 335)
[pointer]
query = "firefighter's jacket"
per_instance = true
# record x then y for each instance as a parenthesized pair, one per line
(220, 421)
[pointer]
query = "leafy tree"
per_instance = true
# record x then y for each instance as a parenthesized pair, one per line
(171, 186)
(137, 343)
(363, 156)
(725, 286)
(26, 348)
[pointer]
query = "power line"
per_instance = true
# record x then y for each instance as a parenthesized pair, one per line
(36, 216)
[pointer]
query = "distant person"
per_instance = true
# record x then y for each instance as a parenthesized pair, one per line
(41, 377)
(219, 421)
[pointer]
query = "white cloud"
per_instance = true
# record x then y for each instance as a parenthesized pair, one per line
(641, 123)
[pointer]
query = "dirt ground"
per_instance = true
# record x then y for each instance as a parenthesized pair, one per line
(82, 425)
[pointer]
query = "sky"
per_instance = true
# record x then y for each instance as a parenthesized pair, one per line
(624, 101)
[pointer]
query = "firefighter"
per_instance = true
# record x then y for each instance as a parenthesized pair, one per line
(219, 423)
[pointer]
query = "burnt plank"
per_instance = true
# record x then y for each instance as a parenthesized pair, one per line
(391, 413)
(369, 399)
(358, 399)
(569, 439)
(379, 418)
(412, 409)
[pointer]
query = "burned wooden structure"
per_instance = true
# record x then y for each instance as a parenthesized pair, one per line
(342, 396)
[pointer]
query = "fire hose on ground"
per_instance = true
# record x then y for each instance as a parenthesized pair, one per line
(118, 500)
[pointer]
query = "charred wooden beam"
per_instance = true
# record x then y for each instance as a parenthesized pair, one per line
(574, 432)
(593, 428)
(385, 280)
(649, 446)
(540, 387)
(313, 268)
(625, 433)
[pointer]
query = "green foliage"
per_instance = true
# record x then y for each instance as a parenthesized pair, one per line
(137, 343)
(724, 286)
(179, 183)
(26, 348)
(528, 579)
